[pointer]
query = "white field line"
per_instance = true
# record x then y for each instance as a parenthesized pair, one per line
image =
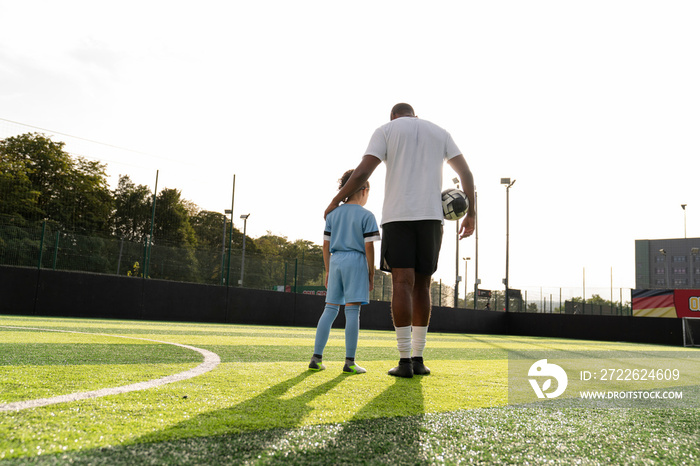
(211, 360)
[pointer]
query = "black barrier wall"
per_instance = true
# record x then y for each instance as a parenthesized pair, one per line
(29, 291)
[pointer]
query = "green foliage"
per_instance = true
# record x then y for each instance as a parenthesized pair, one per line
(279, 259)
(171, 223)
(131, 217)
(18, 201)
(53, 200)
(46, 182)
(596, 300)
(19, 246)
(210, 228)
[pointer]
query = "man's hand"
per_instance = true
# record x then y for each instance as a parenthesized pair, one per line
(358, 178)
(467, 227)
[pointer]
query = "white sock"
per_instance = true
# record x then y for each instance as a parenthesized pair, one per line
(403, 341)
(419, 339)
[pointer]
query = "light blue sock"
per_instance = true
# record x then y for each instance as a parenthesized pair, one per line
(324, 327)
(352, 329)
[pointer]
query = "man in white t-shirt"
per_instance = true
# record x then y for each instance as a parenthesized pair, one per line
(414, 151)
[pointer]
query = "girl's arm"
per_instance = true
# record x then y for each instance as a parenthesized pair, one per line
(326, 257)
(369, 252)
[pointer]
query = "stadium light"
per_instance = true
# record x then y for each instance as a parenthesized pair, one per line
(508, 183)
(456, 293)
(466, 264)
(245, 225)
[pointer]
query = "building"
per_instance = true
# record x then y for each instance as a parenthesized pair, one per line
(667, 263)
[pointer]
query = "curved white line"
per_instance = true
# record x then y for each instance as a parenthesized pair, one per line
(211, 360)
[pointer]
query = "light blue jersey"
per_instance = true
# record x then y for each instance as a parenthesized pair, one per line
(349, 227)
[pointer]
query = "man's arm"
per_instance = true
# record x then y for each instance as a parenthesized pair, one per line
(460, 166)
(358, 178)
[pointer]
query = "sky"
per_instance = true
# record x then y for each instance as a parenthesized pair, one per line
(591, 106)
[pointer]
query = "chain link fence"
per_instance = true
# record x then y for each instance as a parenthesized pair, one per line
(58, 212)
(47, 247)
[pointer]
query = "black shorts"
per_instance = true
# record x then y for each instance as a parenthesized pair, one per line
(411, 245)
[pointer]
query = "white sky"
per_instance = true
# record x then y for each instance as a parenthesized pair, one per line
(592, 106)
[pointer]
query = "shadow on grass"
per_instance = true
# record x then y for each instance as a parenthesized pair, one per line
(268, 410)
(374, 435)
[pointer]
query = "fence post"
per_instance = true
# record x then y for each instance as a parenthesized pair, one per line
(223, 251)
(145, 255)
(296, 264)
(121, 249)
(284, 284)
(55, 250)
(41, 243)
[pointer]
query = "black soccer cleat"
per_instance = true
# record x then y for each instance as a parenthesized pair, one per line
(418, 367)
(404, 369)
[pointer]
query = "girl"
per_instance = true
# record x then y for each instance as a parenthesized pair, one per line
(348, 255)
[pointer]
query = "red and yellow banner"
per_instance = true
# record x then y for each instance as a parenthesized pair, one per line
(666, 303)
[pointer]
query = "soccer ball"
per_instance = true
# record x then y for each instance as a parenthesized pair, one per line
(454, 204)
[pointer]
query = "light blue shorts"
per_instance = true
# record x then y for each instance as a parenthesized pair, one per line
(348, 279)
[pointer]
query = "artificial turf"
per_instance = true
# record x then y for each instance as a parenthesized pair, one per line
(261, 405)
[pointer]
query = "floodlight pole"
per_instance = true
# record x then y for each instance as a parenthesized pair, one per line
(476, 254)
(230, 233)
(245, 224)
(508, 183)
(149, 238)
(456, 293)
(685, 231)
(223, 244)
(466, 265)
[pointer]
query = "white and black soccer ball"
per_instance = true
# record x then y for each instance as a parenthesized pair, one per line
(455, 204)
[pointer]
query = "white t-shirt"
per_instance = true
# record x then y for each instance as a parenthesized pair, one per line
(414, 151)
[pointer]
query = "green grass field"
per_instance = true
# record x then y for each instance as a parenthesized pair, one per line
(261, 405)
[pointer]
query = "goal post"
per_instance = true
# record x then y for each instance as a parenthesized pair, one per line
(691, 331)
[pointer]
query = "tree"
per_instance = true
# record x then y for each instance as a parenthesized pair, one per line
(596, 300)
(131, 216)
(170, 254)
(18, 201)
(88, 197)
(171, 221)
(71, 193)
(171, 251)
(211, 230)
(133, 212)
(208, 228)
(280, 260)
